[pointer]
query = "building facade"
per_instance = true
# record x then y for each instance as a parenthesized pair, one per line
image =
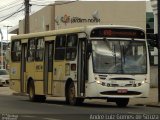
(80, 13)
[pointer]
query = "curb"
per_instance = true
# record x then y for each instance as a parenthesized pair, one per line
(148, 105)
(158, 106)
(19, 94)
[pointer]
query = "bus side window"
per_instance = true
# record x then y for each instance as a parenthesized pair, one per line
(50, 58)
(16, 51)
(60, 47)
(71, 46)
(39, 49)
(31, 50)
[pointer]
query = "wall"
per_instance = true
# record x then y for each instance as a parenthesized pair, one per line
(110, 12)
(39, 20)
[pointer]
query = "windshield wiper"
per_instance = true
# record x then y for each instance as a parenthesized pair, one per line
(115, 57)
(121, 51)
(124, 54)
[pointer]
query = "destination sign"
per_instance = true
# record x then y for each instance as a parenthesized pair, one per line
(118, 33)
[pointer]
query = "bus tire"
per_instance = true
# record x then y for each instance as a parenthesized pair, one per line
(70, 97)
(41, 98)
(122, 102)
(80, 101)
(31, 92)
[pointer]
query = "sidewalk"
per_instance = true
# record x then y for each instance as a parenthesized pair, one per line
(5, 90)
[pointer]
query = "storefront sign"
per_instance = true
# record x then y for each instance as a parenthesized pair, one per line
(68, 19)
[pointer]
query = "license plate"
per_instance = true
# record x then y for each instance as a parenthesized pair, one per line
(122, 91)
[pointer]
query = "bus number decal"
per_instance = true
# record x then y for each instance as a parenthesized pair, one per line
(13, 70)
(39, 67)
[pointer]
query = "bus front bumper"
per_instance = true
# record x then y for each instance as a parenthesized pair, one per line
(98, 90)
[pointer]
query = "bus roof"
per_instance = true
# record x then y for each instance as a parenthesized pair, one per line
(70, 30)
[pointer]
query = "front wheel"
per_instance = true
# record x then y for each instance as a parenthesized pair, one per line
(122, 102)
(70, 97)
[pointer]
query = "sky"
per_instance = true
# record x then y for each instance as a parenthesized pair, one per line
(11, 11)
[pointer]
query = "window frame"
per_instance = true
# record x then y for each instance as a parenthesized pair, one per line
(15, 51)
(31, 50)
(72, 49)
(39, 50)
(60, 50)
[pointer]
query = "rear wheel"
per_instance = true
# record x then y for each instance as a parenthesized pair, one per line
(31, 92)
(32, 96)
(70, 97)
(41, 98)
(122, 102)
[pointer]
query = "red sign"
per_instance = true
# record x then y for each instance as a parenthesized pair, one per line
(122, 91)
(117, 32)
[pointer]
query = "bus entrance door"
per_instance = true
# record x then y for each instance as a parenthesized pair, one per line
(48, 67)
(81, 68)
(23, 67)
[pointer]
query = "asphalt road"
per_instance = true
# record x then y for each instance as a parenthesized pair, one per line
(20, 108)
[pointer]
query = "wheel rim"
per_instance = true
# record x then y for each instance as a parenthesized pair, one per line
(31, 92)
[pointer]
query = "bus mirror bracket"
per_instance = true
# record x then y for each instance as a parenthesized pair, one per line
(89, 48)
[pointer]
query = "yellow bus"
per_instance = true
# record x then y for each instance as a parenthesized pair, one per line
(103, 61)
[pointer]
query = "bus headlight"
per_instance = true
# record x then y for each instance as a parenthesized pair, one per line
(99, 82)
(143, 82)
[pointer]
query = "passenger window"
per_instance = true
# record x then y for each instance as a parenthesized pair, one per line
(60, 47)
(71, 46)
(39, 49)
(31, 50)
(60, 41)
(50, 57)
(16, 51)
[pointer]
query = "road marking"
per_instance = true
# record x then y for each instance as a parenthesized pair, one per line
(53, 104)
(28, 116)
(130, 113)
(134, 113)
(51, 119)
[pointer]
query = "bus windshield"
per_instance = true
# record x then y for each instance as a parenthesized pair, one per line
(117, 56)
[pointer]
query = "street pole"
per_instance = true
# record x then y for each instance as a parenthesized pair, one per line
(27, 5)
(158, 6)
(1, 48)
(6, 63)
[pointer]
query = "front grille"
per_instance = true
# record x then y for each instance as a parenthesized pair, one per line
(114, 85)
(129, 85)
(121, 78)
(116, 93)
(117, 85)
